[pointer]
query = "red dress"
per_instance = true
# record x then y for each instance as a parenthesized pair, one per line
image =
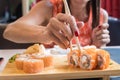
(85, 31)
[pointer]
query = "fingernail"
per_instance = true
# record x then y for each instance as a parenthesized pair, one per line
(99, 27)
(76, 33)
(1, 58)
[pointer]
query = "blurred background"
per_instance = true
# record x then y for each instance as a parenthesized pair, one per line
(10, 10)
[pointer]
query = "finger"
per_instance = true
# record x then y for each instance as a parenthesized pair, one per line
(104, 26)
(61, 37)
(103, 36)
(98, 33)
(68, 19)
(57, 41)
(96, 29)
(105, 41)
(59, 26)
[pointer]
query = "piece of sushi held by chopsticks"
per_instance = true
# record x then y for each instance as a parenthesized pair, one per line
(73, 58)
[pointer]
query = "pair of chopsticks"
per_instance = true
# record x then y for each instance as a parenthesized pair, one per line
(67, 11)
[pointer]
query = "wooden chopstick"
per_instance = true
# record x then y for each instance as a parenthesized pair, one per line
(67, 11)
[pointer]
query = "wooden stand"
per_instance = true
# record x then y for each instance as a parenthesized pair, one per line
(106, 78)
(60, 71)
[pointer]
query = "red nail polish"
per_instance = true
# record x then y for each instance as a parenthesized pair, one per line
(76, 33)
(99, 27)
(1, 60)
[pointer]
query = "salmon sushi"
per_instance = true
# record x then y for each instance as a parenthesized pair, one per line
(47, 59)
(19, 62)
(33, 66)
(73, 58)
(88, 59)
(103, 59)
(23, 56)
(35, 49)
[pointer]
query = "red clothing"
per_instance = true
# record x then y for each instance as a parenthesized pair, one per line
(85, 31)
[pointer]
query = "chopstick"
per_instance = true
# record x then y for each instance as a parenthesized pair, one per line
(67, 11)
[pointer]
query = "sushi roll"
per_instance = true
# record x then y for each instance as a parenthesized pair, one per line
(23, 56)
(103, 59)
(35, 49)
(47, 59)
(73, 58)
(33, 66)
(19, 62)
(88, 59)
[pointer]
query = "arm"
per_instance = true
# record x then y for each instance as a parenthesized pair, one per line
(40, 27)
(26, 29)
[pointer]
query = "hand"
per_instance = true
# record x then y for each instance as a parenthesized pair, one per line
(58, 30)
(51, 45)
(100, 35)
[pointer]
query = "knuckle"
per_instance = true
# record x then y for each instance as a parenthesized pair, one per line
(71, 18)
(102, 36)
(52, 19)
(104, 31)
(59, 14)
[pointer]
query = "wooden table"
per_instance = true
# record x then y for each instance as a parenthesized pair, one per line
(57, 74)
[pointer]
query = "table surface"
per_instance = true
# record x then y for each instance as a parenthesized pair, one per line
(114, 53)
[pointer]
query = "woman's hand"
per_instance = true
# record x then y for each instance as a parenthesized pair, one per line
(61, 29)
(100, 35)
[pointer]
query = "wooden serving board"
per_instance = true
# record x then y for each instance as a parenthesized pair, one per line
(60, 71)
